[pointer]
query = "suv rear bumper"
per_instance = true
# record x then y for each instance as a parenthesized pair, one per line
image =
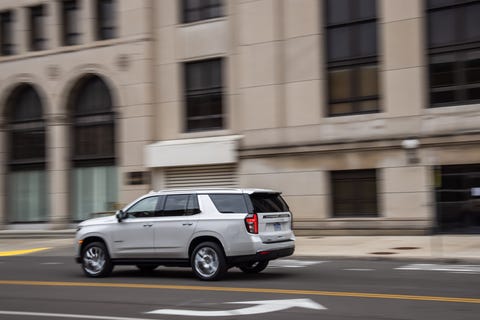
(262, 256)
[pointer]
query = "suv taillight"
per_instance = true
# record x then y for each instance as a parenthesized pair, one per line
(251, 222)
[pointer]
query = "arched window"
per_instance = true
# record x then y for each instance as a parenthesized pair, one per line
(93, 148)
(27, 185)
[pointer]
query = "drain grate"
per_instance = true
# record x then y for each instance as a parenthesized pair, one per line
(405, 248)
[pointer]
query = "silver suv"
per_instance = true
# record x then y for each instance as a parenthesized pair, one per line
(209, 230)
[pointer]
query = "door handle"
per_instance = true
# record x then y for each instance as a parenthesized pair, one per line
(187, 224)
(148, 225)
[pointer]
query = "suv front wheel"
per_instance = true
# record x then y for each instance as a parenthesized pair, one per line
(96, 260)
(208, 261)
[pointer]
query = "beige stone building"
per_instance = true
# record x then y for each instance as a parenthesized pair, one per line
(365, 114)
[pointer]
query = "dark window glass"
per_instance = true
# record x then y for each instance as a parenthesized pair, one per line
(105, 19)
(27, 129)
(454, 52)
(38, 39)
(354, 193)
(204, 95)
(229, 203)
(352, 56)
(6, 33)
(94, 138)
(268, 202)
(195, 10)
(145, 208)
(180, 205)
(71, 22)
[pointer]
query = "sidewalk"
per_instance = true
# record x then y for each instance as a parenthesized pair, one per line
(439, 248)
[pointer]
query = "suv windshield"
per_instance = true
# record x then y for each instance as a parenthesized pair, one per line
(268, 202)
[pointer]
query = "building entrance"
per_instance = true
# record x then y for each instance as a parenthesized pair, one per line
(458, 198)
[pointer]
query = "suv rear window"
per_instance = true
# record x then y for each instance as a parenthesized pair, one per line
(268, 202)
(229, 203)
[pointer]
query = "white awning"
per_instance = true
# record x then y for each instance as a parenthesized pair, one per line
(192, 152)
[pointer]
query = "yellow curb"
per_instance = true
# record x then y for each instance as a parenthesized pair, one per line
(20, 252)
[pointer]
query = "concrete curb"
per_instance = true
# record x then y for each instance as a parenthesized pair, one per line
(407, 259)
(37, 234)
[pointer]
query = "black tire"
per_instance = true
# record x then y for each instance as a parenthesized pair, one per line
(208, 261)
(96, 261)
(147, 267)
(253, 267)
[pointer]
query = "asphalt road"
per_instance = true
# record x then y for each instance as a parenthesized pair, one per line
(50, 285)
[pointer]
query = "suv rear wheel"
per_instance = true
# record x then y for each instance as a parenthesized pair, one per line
(253, 267)
(208, 261)
(96, 260)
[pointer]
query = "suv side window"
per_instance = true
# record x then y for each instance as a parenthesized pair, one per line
(229, 203)
(180, 205)
(144, 208)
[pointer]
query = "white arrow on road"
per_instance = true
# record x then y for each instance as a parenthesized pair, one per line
(260, 307)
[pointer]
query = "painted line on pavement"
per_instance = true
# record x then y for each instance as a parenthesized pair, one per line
(66, 315)
(246, 290)
(20, 252)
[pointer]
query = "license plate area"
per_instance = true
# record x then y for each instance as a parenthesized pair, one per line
(277, 226)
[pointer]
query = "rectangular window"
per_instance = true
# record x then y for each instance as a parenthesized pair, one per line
(71, 22)
(204, 95)
(105, 19)
(354, 193)
(229, 203)
(180, 205)
(268, 202)
(352, 62)
(38, 39)
(7, 47)
(196, 10)
(454, 52)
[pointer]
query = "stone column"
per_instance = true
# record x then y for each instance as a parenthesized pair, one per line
(58, 170)
(88, 21)
(3, 176)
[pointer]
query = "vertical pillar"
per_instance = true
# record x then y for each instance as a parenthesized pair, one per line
(88, 21)
(3, 177)
(58, 170)
(53, 17)
(21, 30)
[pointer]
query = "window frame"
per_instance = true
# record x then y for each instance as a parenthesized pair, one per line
(212, 92)
(356, 176)
(70, 37)
(37, 37)
(353, 64)
(7, 37)
(202, 11)
(101, 27)
(458, 49)
(23, 128)
(91, 123)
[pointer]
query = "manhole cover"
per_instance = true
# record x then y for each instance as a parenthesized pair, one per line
(383, 252)
(405, 248)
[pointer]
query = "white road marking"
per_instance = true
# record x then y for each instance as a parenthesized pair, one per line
(358, 269)
(260, 307)
(456, 268)
(290, 263)
(65, 315)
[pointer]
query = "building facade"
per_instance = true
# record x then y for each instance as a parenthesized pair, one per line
(365, 114)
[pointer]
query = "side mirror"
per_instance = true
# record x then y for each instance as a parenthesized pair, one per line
(120, 214)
